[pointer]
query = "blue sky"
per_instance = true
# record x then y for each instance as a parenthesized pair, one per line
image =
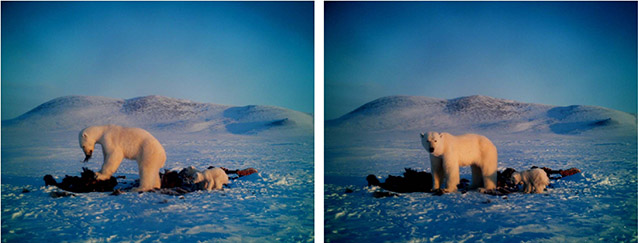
(556, 53)
(236, 53)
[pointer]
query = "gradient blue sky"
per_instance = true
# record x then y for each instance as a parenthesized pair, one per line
(236, 53)
(557, 53)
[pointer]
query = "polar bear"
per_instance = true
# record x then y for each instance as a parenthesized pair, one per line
(534, 180)
(213, 178)
(449, 152)
(125, 142)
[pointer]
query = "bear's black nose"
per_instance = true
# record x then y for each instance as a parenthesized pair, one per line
(431, 149)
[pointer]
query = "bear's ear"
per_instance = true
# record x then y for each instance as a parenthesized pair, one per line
(422, 135)
(84, 135)
(441, 135)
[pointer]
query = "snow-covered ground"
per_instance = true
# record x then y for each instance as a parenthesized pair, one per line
(273, 205)
(382, 138)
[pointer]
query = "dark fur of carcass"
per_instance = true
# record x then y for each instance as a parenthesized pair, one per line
(502, 178)
(171, 179)
(173, 182)
(85, 183)
(177, 183)
(411, 181)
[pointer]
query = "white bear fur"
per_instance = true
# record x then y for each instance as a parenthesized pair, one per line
(126, 142)
(449, 152)
(534, 180)
(213, 178)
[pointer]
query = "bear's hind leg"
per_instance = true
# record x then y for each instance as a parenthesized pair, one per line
(218, 184)
(158, 180)
(149, 178)
(540, 189)
(489, 176)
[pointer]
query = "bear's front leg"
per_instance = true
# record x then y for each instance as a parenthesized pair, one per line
(437, 172)
(489, 176)
(527, 188)
(111, 163)
(209, 185)
(452, 177)
(101, 177)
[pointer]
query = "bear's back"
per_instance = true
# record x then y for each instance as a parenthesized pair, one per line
(134, 142)
(217, 174)
(132, 134)
(467, 142)
(539, 175)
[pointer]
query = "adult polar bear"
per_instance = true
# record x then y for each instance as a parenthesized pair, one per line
(125, 142)
(449, 152)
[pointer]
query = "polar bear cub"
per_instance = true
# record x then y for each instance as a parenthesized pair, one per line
(120, 143)
(213, 178)
(449, 152)
(534, 180)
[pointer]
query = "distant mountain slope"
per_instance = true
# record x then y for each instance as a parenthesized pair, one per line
(160, 113)
(480, 114)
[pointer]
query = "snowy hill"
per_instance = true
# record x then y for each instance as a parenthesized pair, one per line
(161, 113)
(481, 114)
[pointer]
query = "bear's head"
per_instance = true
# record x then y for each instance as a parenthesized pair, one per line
(199, 177)
(515, 179)
(189, 174)
(87, 143)
(433, 143)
